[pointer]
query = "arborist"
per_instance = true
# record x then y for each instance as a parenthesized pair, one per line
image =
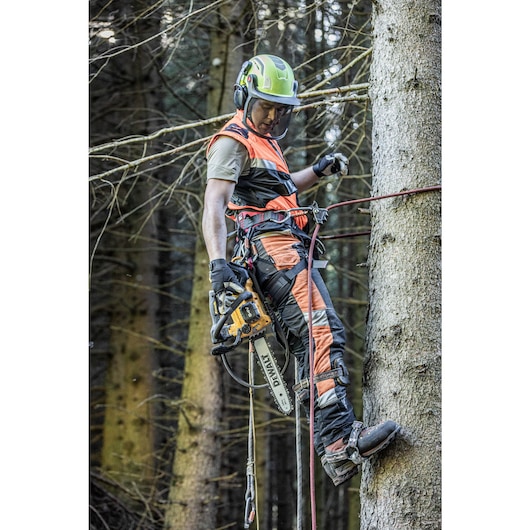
(249, 181)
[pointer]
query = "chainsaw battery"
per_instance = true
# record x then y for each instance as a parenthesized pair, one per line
(249, 317)
(250, 312)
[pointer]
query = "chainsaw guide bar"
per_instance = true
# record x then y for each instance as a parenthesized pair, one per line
(271, 372)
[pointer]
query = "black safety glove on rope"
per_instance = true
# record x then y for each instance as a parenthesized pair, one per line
(330, 164)
(225, 284)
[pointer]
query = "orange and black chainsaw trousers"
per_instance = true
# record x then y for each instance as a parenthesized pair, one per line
(280, 265)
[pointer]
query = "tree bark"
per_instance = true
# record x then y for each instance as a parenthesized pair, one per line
(128, 441)
(226, 56)
(192, 498)
(401, 488)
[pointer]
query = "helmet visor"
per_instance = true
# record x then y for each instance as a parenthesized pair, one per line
(267, 118)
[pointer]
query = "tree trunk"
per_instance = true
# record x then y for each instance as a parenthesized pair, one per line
(401, 488)
(128, 440)
(226, 55)
(192, 498)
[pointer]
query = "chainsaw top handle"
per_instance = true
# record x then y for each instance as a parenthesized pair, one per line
(245, 295)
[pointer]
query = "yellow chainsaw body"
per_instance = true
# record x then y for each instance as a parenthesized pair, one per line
(250, 317)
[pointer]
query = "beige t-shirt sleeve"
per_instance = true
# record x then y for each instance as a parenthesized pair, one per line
(227, 159)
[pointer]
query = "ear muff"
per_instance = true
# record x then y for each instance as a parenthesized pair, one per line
(240, 91)
(240, 96)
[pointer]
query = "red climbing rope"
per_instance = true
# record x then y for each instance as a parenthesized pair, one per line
(397, 194)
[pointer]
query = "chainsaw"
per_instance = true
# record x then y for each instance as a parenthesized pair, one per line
(244, 316)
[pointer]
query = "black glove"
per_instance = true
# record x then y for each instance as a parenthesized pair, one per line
(225, 285)
(223, 277)
(331, 164)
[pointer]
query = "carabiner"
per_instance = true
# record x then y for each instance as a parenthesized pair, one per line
(250, 508)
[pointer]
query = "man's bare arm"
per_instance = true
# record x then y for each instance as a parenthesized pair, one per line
(304, 178)
(216, 197)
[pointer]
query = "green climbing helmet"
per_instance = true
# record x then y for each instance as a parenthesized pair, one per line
(266, 77)
(270, 78)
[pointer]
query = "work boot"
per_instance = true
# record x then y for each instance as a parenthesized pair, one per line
(373, 439)
(339, 472)
(342, 456)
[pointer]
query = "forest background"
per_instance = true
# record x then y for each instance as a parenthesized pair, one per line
(50, 418)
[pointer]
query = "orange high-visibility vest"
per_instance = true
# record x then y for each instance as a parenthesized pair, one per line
(268, 185)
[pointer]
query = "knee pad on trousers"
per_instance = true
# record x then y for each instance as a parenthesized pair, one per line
(278, 286)
(343, 378)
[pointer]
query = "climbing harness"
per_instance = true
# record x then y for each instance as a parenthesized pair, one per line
(245, 327)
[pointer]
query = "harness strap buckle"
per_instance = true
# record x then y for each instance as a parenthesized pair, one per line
(245, 220)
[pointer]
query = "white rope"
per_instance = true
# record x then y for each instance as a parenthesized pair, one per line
(299, 463)
(251, 501)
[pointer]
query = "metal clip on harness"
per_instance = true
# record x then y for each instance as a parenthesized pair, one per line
(320, 215)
